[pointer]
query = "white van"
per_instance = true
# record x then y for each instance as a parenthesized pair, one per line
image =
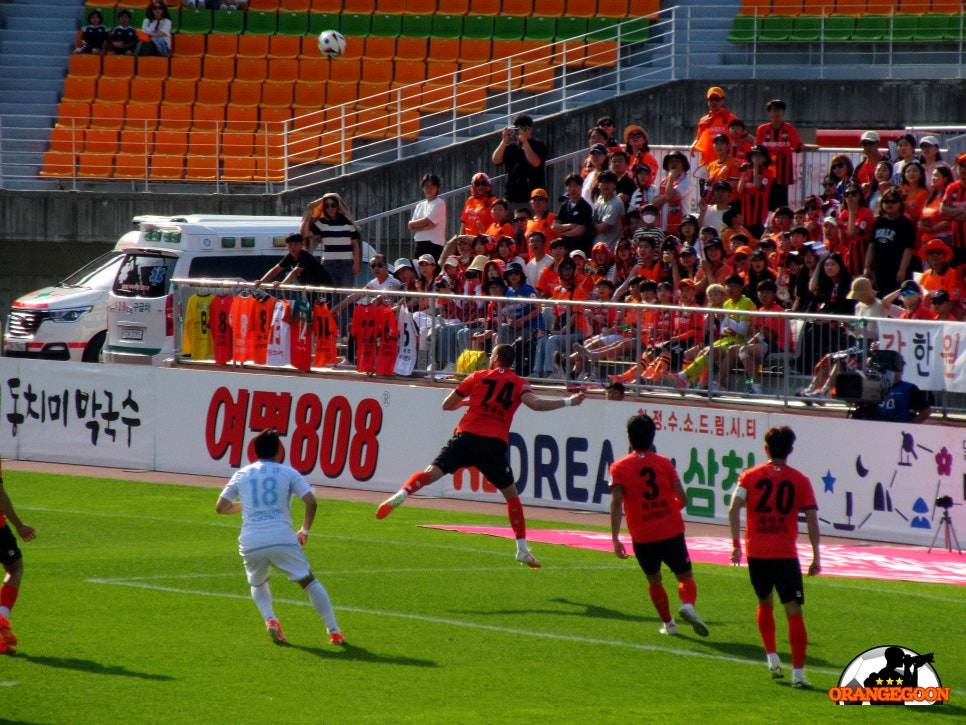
(69, 320)
(141, 304)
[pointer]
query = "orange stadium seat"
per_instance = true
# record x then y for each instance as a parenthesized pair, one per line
(238, 168)
(340, 92)
(201, 168)
(73, 114)
(519, 8)
(452, 7)
(95, 165)
(643, 8)
(203, 143)
(251, 69)
(146, 90)
(283, 46)
(537, 77)
(130, 166)
(403, 124)
(211, 92)
(309, 96)
(141, 115)
(269, 5)
(391, 7)
(295, 6)
(335, 148)
(107, 114)
(277, 94)
(333, 7)
(345, 70)
(175, 117)
(582, 8)
(58, 164)
(185, 69)
(444, 50)
(66, 140)
(188, 45)
(484, 7)
(79, 89)
(178, 92)
(284, 70)
(303, 146)
(218, 69)
(314, 69)
(785, 7)
(549, 8)
(207, 118)
(379, 47)
(136, 141)
(372, 123)
(118, 66)
(254, 45)
(153, 68)
(113, 90)
(84, 66)
(477, 75)
(243, 119)
(222, 45)
(101, 141)
(236, 143)
(411, 48)
(245, 93)
(359, 7)
(420, 7)
(173, 143)
(274, 117)
(475, 50)
(269, 168)
(615, 8)
(167, 167)
(310, 48)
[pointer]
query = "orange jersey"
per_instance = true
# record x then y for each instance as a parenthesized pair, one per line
(541, 225)
(651, 504)
(326, 332)
(728, 170)
(781, 143)
(476, 215)
(221, 327)
(262, 330)
(754, 200)
(775, 496)
(495, 394)
(241, 318)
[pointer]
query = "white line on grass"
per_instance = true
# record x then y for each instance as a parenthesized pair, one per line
(8, 684)
(464, 624)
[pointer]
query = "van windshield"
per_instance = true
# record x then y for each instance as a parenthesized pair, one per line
(144, 275)
(96, 274)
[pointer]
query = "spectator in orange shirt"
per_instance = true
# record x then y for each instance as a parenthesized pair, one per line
(716, 121)
(500, 226)
(939, 274)
(476, 216)
(639, 153)
(541, 218)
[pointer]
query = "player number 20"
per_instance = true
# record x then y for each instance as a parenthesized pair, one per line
(784, 496)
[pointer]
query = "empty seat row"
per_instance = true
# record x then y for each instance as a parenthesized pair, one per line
(849, 7)
(930, 27)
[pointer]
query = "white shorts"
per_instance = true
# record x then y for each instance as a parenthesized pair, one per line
(288, 559)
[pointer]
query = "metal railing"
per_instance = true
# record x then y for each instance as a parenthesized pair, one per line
(648, 361)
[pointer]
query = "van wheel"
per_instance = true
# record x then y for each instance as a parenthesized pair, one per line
(92, 353)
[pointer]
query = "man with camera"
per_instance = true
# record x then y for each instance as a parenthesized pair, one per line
(880, 392)
(523, 157)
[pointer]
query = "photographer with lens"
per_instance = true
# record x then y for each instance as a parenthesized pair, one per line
(880, 393)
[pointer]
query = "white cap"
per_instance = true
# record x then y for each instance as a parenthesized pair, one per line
(929, 140)
(870, 136)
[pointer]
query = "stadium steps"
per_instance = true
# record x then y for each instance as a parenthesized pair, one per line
(32, 78)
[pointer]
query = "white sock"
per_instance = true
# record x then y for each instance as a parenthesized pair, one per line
(320, 600)
(772, 659)
(522, 546)
(263, 600)
(798, 674)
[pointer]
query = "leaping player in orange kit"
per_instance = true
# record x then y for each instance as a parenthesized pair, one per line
(12, 562)
(492, 396)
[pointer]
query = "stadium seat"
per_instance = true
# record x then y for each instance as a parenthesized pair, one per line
(391, 7)
(314, 69)
(277, 94)
(246, 93)
(272, 5)
(335, 148)
(303, 146)
(408, 48)
(345, 69)
(444, 50)
(310, 49)
(743, 29)
(178, 92)
(550, 8)
(282, 46)
(452, 7)
(83, 65)
(136, 141)
(637, 30)
(319, 21)
(282, 73)
(956, 29)
(201, 168)
(309, 95)
(251, 69)
(299, 6)
(261, 23)
(73, 114)
(152, 68)
(79, 89)
(417, 26)
(644, 8)
(195, 20)
(371, 123)
(114, 90)
(235, 143)
(130, 166)
(540, 28)
(806, 28)
(378, 47)
(355, 25)
(475, 50)
(174, 143)
(477, 26)
(213, 92)
(101, 141)
(775, 28)
(238, 168)
(256, 46)
(222, 45)
(904, 26)
(359, 7)
(232, 21)
(403, 124)
(871, 27)
(484, 7)
(205, 117)
(783, 7)
(167, 167)
(188, 46)
(570, 27)
(141, 116)
(389, 26)
(293, 23)
(95, 165)
(581, 8)
(408, 72)
(218, 69)
(146, 90)
(933, 26)
(420, 7)
(340, 92)
(273, 117)
(614, 8)
(508, 28)
(58, 164)
(520, 8)
(269, 168)
(203, 143)
(839, 27)
(601, 28)
(601, 53)
(537, 78)
(175, 117)
(67, 140)
(118, 66)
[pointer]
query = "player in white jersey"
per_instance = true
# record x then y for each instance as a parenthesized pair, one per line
(262, 492)
(279, 340)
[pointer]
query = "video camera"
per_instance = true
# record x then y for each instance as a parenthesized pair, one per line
(870, 386)
(919, 660)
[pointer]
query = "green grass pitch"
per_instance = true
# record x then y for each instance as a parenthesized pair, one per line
(134, 609)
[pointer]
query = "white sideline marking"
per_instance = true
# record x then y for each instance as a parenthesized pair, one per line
(8, 684)
(465, 624)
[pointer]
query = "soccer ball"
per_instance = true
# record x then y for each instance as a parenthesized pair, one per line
(331, 43)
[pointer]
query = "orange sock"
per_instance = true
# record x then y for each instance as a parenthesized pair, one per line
(659, 598)
(518, 521)
(688, 591)
(416, 482)
(766, 627)
(798, 638)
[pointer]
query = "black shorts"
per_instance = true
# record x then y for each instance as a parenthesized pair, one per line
(485, 453)
(782, 575)
(9, 551)
(672, 551)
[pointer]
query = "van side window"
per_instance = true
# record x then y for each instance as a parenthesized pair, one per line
(144, 275)
(248, 267)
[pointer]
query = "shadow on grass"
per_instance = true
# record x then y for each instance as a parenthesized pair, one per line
(89, 666)
(755, 651)
(360, 654)
(585, 610)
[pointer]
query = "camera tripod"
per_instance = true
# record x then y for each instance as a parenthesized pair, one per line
(949, 534)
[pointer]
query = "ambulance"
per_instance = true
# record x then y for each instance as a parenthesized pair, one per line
(69, 320)
(141, 303)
